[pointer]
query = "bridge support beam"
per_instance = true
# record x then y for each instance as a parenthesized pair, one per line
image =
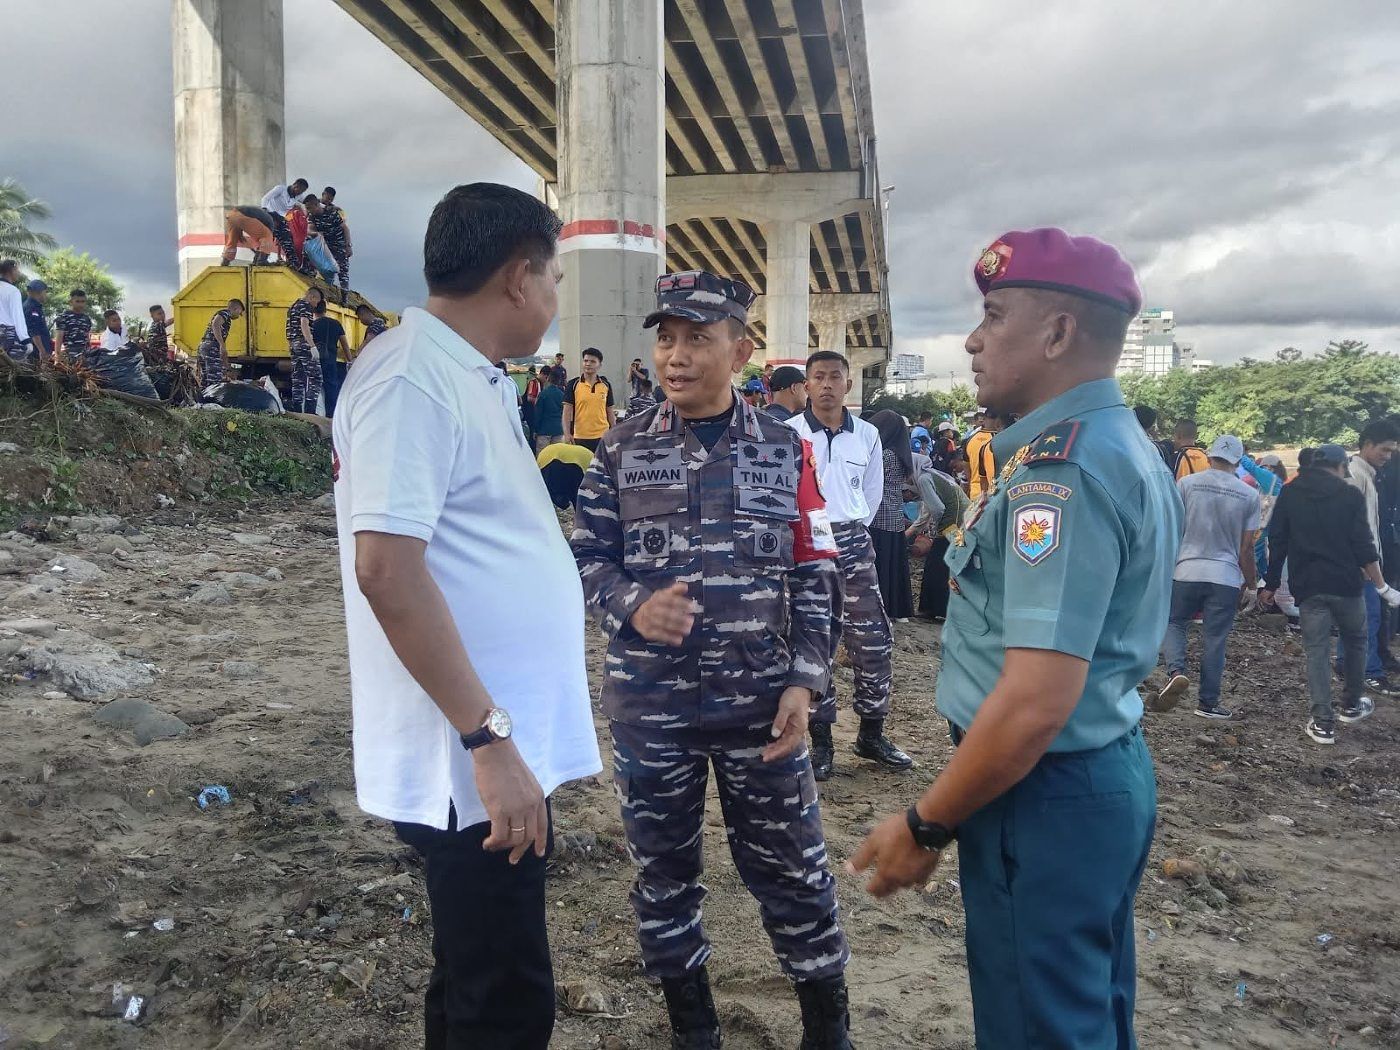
(611, 101)
(229, 144)
(862, 359)
(785, 304)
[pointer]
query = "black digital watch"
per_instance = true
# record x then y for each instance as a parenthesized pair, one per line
(930, 836)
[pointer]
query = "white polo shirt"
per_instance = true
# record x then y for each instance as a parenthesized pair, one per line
(428, 444)
(278, 200)
(850, 463)
(12, 310)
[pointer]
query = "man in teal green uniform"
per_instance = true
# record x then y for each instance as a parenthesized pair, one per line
(1061, 581)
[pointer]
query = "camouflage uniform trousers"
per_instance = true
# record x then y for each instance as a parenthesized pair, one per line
(306, 378)
(211, 364)
(775, 837)
(9, 341)
(341, 255)
(859, 619)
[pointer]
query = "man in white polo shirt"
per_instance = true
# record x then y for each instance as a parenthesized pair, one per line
(850, 463)
(446, 529)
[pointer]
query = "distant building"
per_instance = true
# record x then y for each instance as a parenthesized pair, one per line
(940, 383)
(1200, 364)
(1150, 347)
(906, 366)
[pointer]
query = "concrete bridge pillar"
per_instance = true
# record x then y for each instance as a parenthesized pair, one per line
(785, 303)
(229, 143)
(611, 101)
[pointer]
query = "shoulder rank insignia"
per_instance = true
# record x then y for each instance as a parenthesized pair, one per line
(1054, 443)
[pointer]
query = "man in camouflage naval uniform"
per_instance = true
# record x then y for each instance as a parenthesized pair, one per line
(718, 646)
(213, 347)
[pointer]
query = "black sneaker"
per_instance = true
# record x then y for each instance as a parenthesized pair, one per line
(1220, 714)
(1172, 692)
(1362, 709)
(1380, 685)
(1321, 734)
(872, 743)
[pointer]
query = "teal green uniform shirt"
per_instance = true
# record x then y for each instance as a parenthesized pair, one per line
(1074, 552)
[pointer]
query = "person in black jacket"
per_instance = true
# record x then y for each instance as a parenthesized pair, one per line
(1320, 528)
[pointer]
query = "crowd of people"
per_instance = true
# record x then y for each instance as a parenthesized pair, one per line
(728, 540)
(305, 231)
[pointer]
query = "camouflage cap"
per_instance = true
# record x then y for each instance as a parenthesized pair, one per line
(700, 296)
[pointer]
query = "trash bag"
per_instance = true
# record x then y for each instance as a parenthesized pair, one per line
(298, 223)
(320, 257)
(247, 397)
(123, 369)
(267, 384)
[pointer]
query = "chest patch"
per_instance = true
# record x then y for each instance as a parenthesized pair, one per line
(770, 503)
(767, 543)
(655, 539)
(1037, 532)
(651, 466)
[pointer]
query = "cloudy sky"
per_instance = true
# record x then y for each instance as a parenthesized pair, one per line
(1245, 155)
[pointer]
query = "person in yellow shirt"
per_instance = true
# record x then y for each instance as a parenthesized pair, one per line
(981, 465)
(588, 404)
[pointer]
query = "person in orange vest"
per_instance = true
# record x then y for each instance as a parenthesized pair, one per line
(1184, 454)
(981, 465)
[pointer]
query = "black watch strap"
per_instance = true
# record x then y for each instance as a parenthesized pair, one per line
(928, 835)
(472, 741)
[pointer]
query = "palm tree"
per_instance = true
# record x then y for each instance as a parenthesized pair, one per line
(17, 211)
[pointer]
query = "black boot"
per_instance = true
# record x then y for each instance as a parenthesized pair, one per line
(872, 743)
(826, 1016)
(694, 1022)
(823, 753)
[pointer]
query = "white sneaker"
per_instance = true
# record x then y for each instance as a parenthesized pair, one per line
(1363, 709)
(1171, 693)
(1320, 734)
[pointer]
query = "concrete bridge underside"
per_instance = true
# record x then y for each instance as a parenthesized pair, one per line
(730, 135)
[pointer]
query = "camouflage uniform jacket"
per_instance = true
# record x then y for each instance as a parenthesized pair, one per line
(656, 508)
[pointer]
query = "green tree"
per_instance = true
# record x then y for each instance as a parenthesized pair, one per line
(67, 269)
(952, 404)
(18, 211)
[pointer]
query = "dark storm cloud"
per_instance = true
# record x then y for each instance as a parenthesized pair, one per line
(1153, 126)
(1245, 155)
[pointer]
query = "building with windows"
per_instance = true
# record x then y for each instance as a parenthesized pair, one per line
(1150, 347)
(906, 366)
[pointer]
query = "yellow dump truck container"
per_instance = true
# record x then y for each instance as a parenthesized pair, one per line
(267, 293)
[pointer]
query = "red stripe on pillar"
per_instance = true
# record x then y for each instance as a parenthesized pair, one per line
(642, 229)
(191, 239)
(585, 226)
(629, 228)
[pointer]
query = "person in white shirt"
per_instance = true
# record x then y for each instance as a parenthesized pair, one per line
(14, 330)
(1215, 572)
(113, 335)
(282, 198)
(850, 463)
(1378, 442)
(455, 572)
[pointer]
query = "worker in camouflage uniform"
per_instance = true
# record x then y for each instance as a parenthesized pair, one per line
(306, 359)
(213, 347)
(329, 221)
(688, 521)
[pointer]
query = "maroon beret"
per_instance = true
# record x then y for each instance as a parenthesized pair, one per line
(1050, 258)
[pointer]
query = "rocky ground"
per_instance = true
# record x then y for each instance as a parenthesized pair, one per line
(149, 658)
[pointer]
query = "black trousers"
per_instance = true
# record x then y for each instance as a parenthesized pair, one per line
(492, 986)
